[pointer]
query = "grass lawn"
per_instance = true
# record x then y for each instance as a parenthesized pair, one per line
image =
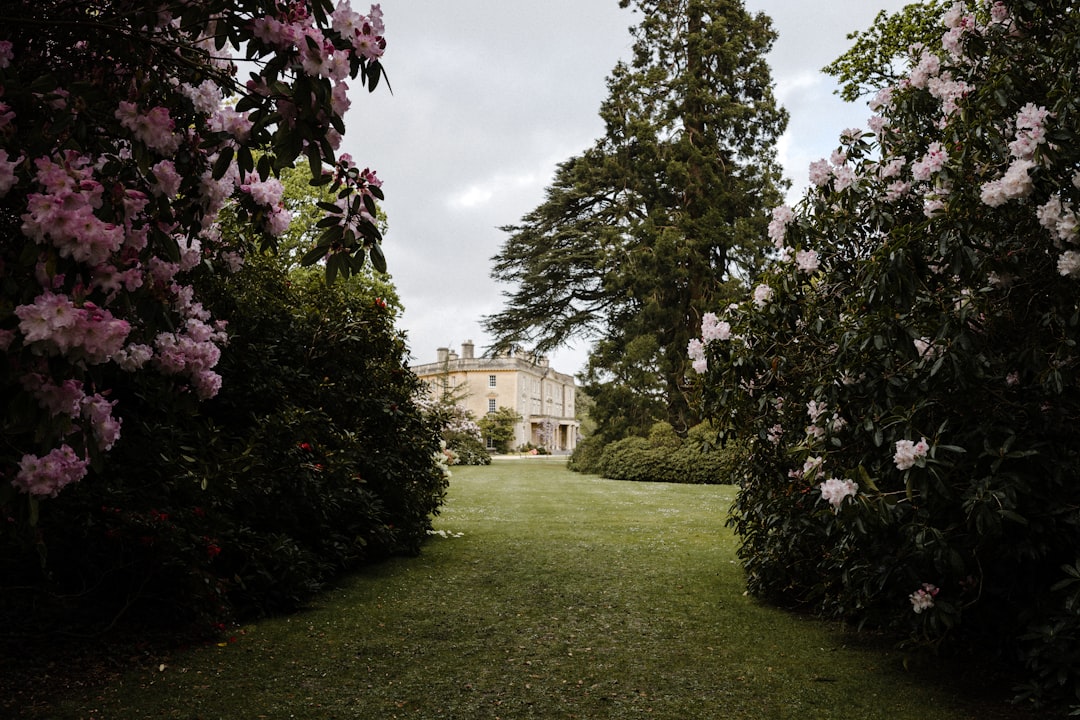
(551, 595)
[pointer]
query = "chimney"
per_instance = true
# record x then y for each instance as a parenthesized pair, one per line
(443, 354)
(467, 350)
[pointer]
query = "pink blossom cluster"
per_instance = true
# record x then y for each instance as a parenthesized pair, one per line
(117, 224)
(7, 167)
(808, 261)
(923, 598)
(63, 216)
(695, 350)
(713, 328)
(53, 324)
(834, 491)
(781, 217)
(46, 476)
(155, 127)
(268, 193)
(908, 453)
(763, 294)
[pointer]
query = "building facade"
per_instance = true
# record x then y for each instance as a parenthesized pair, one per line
(543, 397)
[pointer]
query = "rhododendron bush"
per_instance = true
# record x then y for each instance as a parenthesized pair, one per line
(125, 128)
(907, 369)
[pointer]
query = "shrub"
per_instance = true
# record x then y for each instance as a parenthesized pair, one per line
(468, 448)
(313, 459)
(906, 373)
(664, 457)
(587, 455)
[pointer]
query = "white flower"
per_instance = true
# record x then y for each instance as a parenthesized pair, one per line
(1069, 264)
(807, 260)
(762, 295)
(834, 490)
(923, 598)
(909, 453)
(712, 328)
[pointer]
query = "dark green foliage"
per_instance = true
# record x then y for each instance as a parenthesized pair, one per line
(312, 460)
(467, 448)
(586, 456)
(957, 325)
(664, 457)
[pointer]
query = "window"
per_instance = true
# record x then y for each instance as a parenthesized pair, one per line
(491, 381)
(491, 405)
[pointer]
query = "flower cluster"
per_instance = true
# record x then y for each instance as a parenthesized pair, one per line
(909, 454)
(834, 491)
(47, 476)
(923, 598)
(114, 231)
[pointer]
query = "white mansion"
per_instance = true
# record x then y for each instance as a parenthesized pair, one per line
(543, 397)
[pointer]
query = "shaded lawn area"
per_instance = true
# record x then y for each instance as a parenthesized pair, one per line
(547, 594)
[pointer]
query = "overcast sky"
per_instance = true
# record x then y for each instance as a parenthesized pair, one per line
(489, 95)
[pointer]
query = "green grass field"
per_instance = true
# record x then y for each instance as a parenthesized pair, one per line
(547, 594)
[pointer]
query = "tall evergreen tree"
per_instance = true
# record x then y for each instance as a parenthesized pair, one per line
(661, 218)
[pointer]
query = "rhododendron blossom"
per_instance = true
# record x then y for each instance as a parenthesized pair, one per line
(908, 453)
(46, 476)
(807, 261)
(923, 598)
(712, 328)
(834, 491)
(108, 236)
(695, 350)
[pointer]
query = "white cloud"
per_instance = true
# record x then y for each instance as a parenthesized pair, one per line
(489, 97)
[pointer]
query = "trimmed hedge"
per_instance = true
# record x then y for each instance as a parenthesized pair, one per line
(665, 457)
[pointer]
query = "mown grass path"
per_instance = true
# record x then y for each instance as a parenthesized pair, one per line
(552, 595)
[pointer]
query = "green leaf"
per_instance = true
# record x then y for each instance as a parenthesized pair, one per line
(224, 160)
(245, 160)
(378, 260)
(333, 263)
(314, 255)
(369, 205)
(314, 160)
(331, 235)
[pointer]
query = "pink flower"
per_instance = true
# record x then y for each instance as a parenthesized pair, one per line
(63, 399)
(154, 128)
(1015, 184)
(166, 179)
(820, 172)
(908, 453)
(712, 328)
(1069, 264)
(7, 54)
(47, 476)
(7, 171)
(264, 192)
(813, 468)
(930, 163)
(762, 295)
(98, 411)
(845, 178)
(781, 218)
(923, 598)
(835, 490)
(807, 261)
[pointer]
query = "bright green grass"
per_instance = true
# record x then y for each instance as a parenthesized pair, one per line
(566, 596)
